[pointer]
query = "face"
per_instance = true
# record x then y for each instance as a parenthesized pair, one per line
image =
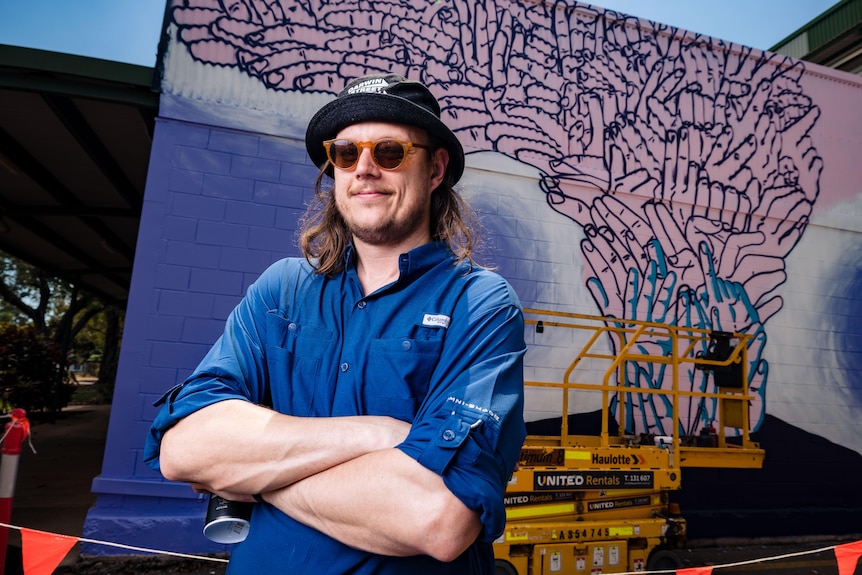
(383, 207)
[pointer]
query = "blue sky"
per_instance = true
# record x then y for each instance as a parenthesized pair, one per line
(128, 30)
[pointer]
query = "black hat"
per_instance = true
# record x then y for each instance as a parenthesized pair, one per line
(383, 98)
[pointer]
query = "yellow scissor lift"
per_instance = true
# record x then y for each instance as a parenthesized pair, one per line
(589, 504)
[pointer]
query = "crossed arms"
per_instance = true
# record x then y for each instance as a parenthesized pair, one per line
(339, 475)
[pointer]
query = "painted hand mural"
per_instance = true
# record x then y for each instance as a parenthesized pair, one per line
(688, 163)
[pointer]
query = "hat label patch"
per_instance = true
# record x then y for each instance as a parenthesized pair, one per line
(436, 320)
(371, 86)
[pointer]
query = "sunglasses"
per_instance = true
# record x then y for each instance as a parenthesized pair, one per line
(387, 154)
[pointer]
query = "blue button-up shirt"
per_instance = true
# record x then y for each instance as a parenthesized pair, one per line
(440, 348)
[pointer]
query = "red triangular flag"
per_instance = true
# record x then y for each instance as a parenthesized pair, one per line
(42, 552)
(690, 571)
(847, 556)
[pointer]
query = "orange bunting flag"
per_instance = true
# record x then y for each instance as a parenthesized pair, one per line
(847, 556)
(42, 552)
(689, 571)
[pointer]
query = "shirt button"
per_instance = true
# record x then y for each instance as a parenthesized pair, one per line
(344, 366)
(448, 435)
(406, 345)
(291, 326)
(361, 305)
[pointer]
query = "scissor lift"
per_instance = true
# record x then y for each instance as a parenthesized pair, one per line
(589, 504)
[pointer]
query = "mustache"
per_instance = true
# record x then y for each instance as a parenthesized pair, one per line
(353, 191)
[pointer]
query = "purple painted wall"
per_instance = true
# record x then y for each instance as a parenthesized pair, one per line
(220, 207)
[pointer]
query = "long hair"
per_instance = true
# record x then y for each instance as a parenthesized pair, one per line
(324, 237)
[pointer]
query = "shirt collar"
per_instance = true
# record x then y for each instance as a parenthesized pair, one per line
(419, 260)
(411, 264)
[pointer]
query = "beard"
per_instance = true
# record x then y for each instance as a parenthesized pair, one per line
(390, 231)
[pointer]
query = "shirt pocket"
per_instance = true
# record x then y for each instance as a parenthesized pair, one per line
(294, 355)
(399, 374)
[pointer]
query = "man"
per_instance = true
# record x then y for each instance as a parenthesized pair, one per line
(369, 396)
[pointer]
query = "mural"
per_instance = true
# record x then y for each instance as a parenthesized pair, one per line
(687, 163)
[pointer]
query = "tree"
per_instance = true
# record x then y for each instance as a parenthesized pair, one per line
(25, 292)
(80, 325)
(98, 341)
(31, 371)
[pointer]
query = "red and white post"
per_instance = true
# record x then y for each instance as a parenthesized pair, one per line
(15, 432)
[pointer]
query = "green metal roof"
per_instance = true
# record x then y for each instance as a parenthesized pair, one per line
(824, 29)
(71, 75)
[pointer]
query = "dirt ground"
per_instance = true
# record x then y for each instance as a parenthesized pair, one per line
(140, 565)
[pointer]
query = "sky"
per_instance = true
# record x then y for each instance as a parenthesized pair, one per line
(128, 30)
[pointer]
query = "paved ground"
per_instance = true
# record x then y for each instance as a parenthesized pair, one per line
(53, 494)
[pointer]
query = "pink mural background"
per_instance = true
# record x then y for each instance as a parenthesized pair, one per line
(692, 166)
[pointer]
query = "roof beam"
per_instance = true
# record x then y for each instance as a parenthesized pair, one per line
(80, 129)
(39, 174)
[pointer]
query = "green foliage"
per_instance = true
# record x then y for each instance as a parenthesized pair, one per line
(28, 293)
(86, 329)
(32, 371)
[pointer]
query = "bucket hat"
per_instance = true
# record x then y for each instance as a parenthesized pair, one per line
(383, 98)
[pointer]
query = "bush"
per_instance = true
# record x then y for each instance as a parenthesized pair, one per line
(31, 371)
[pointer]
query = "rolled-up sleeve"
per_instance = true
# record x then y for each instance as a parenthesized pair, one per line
(234, 368)
(470, 427)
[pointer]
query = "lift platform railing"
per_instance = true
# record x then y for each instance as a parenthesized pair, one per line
(682, 350)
